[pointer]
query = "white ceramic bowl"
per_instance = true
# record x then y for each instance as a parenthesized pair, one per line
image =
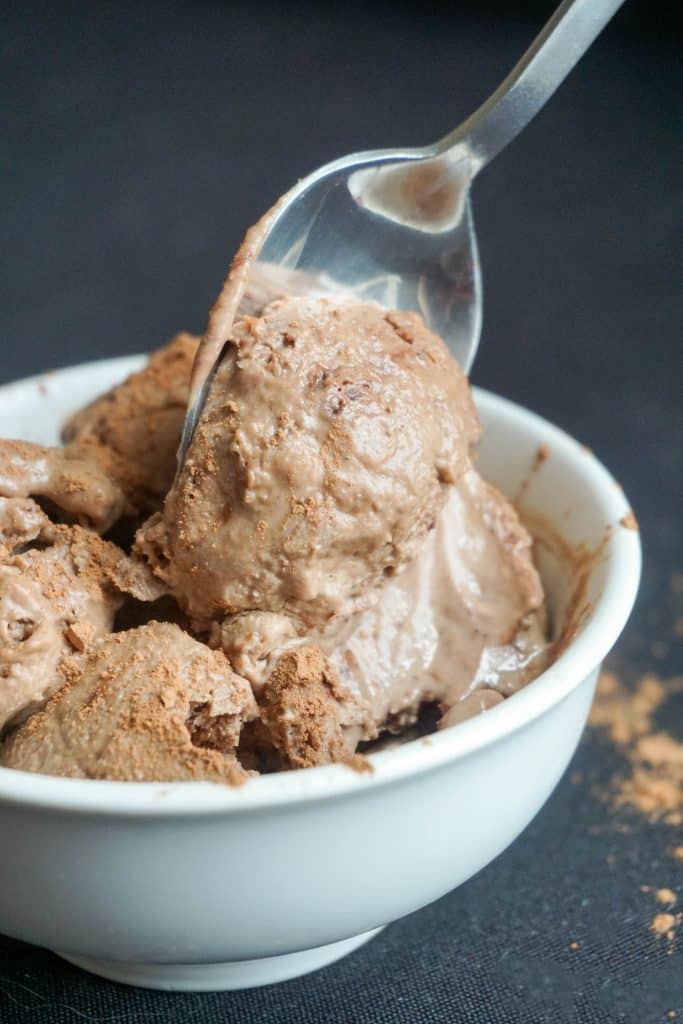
(198, 886)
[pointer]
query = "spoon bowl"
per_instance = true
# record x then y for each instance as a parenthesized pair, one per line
(393, 228)
(396, 226)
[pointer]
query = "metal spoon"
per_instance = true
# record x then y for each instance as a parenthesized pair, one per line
(396, 225)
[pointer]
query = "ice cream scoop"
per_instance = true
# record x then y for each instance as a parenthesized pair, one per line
(21, 521)
(330, 437)
(133, 430)
(146, 705)
(57, 595)
(52, 599)
(467, 615)
(461, 628)
(71, 479)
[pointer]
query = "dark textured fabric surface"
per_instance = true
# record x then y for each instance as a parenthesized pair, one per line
(139, 141)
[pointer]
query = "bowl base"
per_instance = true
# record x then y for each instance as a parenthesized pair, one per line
(223, 977)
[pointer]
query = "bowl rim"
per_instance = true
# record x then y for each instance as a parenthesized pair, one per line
(576, 663)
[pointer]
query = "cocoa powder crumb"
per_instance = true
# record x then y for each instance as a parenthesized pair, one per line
(665, 896)
(541, 456)
(80, 635)
(666, 925)
(629, 522)
(360, 763)
(168, 697)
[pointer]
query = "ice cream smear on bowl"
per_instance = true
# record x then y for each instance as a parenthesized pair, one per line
(326, 564)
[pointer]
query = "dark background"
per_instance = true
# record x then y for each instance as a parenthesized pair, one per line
(138, 142)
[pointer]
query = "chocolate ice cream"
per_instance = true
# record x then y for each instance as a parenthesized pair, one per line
(338, 562)
(462, 627)
(69, 479)
(466, 616)
(150, 704)
(133, 431)
(57, 596)
(331, 435)
(21, 521)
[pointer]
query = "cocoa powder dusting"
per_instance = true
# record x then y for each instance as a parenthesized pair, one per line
(654, 783)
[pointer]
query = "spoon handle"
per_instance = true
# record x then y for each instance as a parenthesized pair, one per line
(552, 55)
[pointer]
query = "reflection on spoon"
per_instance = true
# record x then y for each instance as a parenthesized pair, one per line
(428, 195)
